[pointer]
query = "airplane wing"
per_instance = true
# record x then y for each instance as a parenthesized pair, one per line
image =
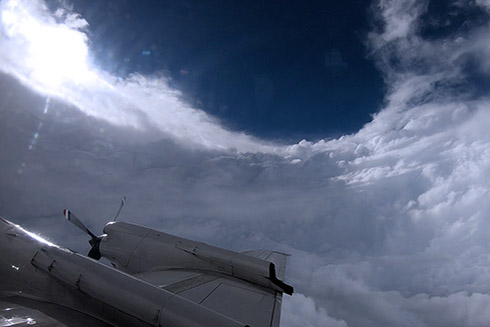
(25, 312)
(279, 259)
(233, 297)
(160, 279)
(246, 287)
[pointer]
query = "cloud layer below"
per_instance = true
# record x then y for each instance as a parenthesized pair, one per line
(387, 227)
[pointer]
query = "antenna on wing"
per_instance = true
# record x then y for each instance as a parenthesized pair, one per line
(123, 202)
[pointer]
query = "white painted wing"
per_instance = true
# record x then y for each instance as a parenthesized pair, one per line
(26, 312)
(235, 298)
(279, 259)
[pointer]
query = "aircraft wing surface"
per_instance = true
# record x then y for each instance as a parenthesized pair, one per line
(249, 303)
(278, 258)
(25, 312)
(156, 279)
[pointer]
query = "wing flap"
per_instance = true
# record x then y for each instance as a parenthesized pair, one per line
(254, 307)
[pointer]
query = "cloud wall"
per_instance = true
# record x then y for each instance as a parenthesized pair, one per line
(386, 227)
(49, 52)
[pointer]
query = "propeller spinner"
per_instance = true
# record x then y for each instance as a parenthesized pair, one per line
(94, 241)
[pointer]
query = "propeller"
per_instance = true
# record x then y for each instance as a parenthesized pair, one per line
(94, 241)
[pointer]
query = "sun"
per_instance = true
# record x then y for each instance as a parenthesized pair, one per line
(55, 53)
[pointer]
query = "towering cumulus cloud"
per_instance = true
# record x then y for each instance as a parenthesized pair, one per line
(389, 226)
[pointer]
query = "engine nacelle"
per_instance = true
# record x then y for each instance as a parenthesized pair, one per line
(137, 249)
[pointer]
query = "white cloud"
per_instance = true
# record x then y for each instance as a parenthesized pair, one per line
(52, 57)
(483, 3)
(300, 310)
(400, 18)
(388, 226)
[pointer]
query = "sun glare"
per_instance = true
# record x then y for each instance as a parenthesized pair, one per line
(55, 53)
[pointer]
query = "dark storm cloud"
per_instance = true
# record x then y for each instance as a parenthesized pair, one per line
(387, 226)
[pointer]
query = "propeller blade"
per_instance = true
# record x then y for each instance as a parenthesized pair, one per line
(123, 202)
(75, 221)
(94, 240)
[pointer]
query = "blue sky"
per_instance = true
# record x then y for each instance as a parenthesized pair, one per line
(276, 69)
(386, 218)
